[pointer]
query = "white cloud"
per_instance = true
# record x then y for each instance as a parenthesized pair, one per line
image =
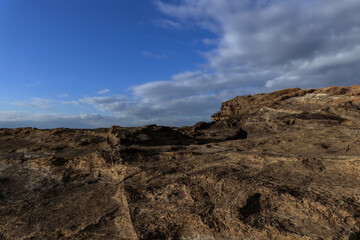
(103, 91)
(107, 103)
(276, 37)
(154, 108)
(35, 102)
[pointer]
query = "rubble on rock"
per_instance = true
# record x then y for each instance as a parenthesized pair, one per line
(283, 165)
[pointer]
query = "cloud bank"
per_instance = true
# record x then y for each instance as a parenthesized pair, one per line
(261, 45)
(272, 44)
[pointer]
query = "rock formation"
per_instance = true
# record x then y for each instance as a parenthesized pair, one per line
(283, 165)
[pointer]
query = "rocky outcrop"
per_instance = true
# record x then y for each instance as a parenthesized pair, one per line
(276, 111)
(240, 107)
(283, 165)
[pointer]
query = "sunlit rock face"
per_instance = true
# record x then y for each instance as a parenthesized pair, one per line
(283, 165)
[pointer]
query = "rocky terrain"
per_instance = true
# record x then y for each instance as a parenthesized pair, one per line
(283, 165)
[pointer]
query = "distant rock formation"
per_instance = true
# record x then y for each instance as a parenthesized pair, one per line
(278, 110)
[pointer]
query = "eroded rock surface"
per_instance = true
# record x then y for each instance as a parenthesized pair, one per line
(283, 165)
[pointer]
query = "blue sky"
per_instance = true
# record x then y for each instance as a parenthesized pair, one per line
(94, 63)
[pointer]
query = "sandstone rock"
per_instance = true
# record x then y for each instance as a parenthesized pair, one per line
(283, 165)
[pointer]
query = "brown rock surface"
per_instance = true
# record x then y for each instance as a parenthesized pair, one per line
(283, 165)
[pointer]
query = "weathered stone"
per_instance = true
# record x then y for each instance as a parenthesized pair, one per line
(283, 165)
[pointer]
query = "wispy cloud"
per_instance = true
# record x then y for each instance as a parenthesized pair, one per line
(154, 55)
(32, 84)
(35, 102)
(107, 103)
(63, 95)
(103, 91)
(211, 42)
(73, 102)
(168, 24)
